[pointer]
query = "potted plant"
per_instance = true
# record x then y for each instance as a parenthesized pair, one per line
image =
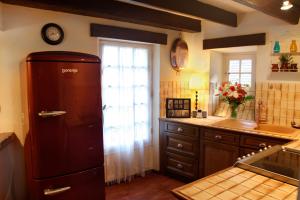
(285, 60)
(234, 95)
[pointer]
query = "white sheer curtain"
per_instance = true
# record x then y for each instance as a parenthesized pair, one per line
(126, 89)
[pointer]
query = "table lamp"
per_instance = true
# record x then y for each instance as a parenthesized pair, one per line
(195, 84)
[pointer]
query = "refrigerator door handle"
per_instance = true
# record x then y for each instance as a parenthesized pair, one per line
(46, 114)
(50, 192)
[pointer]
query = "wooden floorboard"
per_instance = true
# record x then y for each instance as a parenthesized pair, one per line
(151, 187)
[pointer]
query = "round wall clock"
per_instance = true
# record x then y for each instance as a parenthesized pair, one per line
(52, 34)
(179, 54)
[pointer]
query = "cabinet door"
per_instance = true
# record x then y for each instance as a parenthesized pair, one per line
(86, 185)
(217, 156)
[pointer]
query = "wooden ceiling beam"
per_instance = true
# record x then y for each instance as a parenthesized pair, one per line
(195, 8)
(116, 11)
(272, 8)
(100, 30)
(235, 41)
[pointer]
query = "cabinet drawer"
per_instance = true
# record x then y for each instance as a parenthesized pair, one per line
(182, 145)
(221, 136)
(181, 165)
(181, 129)
(82, 185)
(260, 142)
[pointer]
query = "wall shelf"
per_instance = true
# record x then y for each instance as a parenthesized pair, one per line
(279, 54)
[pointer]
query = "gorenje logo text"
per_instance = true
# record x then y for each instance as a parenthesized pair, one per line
(70, 70)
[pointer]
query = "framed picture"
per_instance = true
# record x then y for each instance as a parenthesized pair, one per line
(178, 108)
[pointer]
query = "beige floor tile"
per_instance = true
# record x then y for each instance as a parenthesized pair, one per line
(203, 184)
(227, 195)
(265, 189)
(227, 184)
(215, 179)
(202, 196)
(287, 188)
(214, 190)
(189, 190)
(226, 174)
(253, 195)
(238, 179)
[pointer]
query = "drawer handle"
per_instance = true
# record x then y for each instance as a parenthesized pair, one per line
(262, 145)
(179, 146)
(50, 192)
(180, 130)
(218, 137)
(179, 166)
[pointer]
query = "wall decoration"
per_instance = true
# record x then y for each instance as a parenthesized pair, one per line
(179, 54)
(178, 108)
(52, 33)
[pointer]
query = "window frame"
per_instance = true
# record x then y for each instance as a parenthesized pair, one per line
(240, 57)
(132, 44)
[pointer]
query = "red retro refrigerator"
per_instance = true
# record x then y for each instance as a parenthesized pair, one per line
(64, 143)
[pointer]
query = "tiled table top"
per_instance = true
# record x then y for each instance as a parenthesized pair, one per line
(238, 184)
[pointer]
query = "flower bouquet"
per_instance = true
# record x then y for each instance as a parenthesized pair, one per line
(234, 95)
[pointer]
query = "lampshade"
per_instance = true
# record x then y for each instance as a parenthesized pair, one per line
(286, 5)
(195, 82)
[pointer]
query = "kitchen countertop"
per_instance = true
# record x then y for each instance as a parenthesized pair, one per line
(236, 183)
(245, 126)
(6, 138)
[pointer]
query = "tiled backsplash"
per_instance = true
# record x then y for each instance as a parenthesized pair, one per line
(281, 101)
(180, 89)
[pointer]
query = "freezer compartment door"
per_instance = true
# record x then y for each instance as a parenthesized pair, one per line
(87, 185)
(65, 117)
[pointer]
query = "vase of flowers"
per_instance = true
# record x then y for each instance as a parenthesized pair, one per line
(234, 95)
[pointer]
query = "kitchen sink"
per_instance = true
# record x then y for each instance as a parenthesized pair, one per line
(252, 126)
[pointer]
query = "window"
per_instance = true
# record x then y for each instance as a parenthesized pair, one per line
(241, 69)
(126, 89)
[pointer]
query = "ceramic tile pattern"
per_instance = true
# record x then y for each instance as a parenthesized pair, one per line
(237, 184)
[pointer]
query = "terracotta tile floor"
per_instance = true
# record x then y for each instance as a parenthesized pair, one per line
(151, 187)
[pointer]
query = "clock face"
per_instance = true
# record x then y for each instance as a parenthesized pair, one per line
(52, 34)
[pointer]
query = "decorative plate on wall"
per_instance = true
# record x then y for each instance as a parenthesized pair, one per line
(179, 54)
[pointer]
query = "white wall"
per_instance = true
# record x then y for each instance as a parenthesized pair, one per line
(256, 22)
(215, 77)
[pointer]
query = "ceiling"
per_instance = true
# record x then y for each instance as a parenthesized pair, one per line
(230, 5)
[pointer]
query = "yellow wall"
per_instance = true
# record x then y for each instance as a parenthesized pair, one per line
(198, 64)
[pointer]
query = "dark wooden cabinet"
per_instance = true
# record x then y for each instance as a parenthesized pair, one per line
(191, 152)
(218, 156)
(179, 150)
